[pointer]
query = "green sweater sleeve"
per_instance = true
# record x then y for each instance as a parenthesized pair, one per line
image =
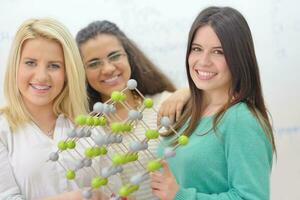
(248, 154)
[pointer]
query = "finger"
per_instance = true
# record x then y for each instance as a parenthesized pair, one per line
(172, 112)
(166, 168)
(157, 193)
(156, 177)
(158, 119)
(156, 185)
(179, 110)
(161, 192)
(159, 115)
(171, 116)
(163, 111)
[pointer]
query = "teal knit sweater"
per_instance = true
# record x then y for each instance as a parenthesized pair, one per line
(233, 163)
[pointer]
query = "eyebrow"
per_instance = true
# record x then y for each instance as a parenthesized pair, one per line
(55, 61)
(110, 54)
(27, 58)
(92, 60)
(214, 47)
(113, 53)
(60, 62)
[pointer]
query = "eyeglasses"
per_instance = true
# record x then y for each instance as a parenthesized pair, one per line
(114, 58)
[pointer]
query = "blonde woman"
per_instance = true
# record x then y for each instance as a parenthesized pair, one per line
(45, 89)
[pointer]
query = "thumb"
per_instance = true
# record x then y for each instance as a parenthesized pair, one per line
(166, 168)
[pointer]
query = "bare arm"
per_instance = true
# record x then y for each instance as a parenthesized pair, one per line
(172, 107)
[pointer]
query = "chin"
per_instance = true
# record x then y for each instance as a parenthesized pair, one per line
(118, 87)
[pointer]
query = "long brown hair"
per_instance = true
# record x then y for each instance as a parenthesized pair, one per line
(150, 79)
(236, 40)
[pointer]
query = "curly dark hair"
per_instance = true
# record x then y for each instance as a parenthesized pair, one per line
(150, 79)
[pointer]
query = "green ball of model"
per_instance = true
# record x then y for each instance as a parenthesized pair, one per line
(116, 127)
(123, 127)
(116, 96)
(103, 150)
(132, 157)
(127, 157)
(89, 152)
(135, 157)
(103, 181)
(124, 191)
(70, 174)
(98, 182)
(154, 165)
(127, 127)
(103, 121)
(96, 151)
(97, 121)
(118, 159)
(89, 121)
(123, 97)
(148, 103)
(80, 120)
(152, 134)
(71, 144)
(133, 188)
(183, 140)
(62, 145)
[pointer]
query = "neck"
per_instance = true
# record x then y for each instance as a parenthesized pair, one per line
(43, 116)
(213, 102)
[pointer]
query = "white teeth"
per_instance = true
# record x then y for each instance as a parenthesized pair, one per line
(111, 79)
(40, 87)
(205, 74)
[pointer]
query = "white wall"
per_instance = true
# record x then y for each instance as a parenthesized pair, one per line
(160, 28)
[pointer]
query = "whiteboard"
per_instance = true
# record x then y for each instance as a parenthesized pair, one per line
(160, 28)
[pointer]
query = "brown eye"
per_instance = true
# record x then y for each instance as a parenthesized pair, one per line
(196, 49)
(94, 64)
(114, 57)
(218, 52)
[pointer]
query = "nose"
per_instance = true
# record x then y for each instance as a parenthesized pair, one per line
(41, 73)
(205, 59)
(108, 68)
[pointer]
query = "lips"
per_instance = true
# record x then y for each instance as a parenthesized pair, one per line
(110, 80)
(204, 75)
(40, 87)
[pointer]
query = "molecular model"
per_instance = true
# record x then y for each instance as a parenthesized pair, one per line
(103, 131)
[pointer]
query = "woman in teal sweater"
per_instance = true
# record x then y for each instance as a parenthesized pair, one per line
(231, 144)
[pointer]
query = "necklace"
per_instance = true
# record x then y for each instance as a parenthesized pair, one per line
(48, 132)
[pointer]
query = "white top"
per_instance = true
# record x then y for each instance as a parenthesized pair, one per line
(24, 172)
(133, 168)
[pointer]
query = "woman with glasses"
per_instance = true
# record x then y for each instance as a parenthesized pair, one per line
(110, 60)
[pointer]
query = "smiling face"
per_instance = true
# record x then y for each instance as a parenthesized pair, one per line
(106, 64)
(207, 65)
(41, 72)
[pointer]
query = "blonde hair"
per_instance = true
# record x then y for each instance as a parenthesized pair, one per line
(72, 100)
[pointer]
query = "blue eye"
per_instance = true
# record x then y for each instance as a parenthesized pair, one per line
(54, 66)
(30, 63)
